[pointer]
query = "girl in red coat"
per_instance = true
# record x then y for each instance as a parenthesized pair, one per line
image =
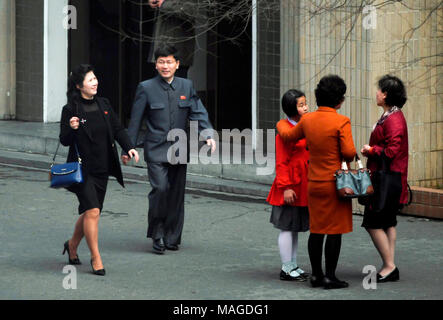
(389, 139)
(288, 195)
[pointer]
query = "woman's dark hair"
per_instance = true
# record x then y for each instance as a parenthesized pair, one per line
(165, 50)
(289, 102)
(76, 77)
(394, 89)
(330, 91)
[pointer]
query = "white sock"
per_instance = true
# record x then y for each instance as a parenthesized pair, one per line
(285, 246)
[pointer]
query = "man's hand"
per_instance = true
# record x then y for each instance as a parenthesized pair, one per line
(211, 142)
(289, 196)
(155, 3)
(131, 154)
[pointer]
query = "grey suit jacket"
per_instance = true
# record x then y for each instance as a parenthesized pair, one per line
(164, 107)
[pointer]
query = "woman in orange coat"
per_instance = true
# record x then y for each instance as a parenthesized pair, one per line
(329, 140)
(288, 195)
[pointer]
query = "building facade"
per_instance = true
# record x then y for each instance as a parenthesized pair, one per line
(286, 44)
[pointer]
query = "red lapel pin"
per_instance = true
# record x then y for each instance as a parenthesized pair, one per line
(106, 112)
(182, 98)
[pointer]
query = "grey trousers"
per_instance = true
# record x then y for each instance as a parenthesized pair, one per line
(166, 201)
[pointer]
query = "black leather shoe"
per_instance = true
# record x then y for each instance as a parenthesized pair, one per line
(393, 276)
(305, 275)
(172, 247)
(334, 283)
(74, 261)
(317, 281)
(158, 246)
(287, 277)
(100, 272)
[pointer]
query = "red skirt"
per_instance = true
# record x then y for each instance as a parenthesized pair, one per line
(328, 214)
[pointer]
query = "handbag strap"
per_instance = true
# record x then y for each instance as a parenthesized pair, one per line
(344, 166)
(56, 151)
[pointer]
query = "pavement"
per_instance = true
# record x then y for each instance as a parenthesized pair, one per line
(229, 249)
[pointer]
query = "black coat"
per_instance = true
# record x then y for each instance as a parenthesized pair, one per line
(82, 136)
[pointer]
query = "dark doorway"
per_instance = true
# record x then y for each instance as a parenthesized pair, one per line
(113, 36)
(233, 75)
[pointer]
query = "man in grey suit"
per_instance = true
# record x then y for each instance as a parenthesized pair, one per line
(166, 102)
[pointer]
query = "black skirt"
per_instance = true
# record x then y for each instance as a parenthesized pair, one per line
(91, 193)
(289, 218)
(380, 220)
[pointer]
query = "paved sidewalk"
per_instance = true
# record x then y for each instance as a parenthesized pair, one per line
(229, 249)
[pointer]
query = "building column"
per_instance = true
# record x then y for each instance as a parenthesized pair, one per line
(7, 60)
(55, 58)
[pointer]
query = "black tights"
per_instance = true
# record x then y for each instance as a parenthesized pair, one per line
(332, 253)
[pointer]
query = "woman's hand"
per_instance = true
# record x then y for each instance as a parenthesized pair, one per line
(289, 196)
(365, 150)
(74, 122)
(132, 154)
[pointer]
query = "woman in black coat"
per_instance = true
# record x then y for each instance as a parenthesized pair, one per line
(89, 123)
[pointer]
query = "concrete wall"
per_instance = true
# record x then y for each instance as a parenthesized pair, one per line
(55, 59)
(29, 41)
(268, 64)
(42, 59)
(7, 60)
(418, 61)
(335, 41)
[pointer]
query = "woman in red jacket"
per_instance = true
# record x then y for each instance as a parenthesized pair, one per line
(389, 139)
(288, 195)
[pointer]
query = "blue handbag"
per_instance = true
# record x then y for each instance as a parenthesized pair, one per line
(66, 174)
(353, 183)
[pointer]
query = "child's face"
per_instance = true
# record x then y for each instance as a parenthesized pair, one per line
(302, 106)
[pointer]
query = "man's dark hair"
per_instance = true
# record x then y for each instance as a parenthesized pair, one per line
(289, 102)
(394, 89)
(330, 91)
(165, 50)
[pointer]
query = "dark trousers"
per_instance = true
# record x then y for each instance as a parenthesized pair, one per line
(166, 201)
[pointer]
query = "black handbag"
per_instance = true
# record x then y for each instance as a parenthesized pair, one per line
(353, 183)
(66, 174)
(387, 188)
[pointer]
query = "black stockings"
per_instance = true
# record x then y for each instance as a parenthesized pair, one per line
(332, 253)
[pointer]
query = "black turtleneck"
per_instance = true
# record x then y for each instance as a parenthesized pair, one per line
(98, 162)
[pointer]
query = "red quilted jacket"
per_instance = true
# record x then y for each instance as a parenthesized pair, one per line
(391, 137)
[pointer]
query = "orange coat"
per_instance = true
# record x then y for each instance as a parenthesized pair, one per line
(291, 166)
(329, 139)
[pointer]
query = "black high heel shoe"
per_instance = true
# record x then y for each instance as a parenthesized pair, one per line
(100, 272)
(74, 261)
(393, 276)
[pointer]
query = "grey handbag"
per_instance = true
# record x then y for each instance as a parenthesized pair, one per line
(353, 183)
